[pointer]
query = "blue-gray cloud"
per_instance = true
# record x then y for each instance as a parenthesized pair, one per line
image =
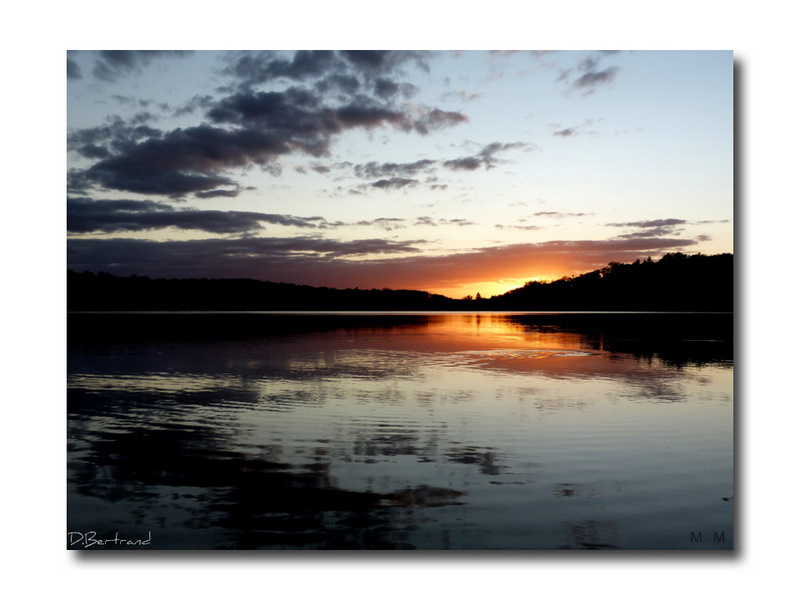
(592, 79)
(73, 70)
(568, 132)
(268, 258)
(248, 127)
(400, 175)
(386, 223)
(485, 157)
(653, 223)
(394, 183)
(650, 229)
(110, 65)
(347, 71)
(85, 215)
(587, 76)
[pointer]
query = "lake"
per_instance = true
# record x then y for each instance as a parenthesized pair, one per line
(451, 431)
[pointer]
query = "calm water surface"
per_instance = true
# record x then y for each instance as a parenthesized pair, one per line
(389, 431)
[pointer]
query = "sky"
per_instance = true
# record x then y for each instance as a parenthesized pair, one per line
(451, 172)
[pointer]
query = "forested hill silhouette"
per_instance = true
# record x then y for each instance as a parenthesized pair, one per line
(676, 282)
(101, 291)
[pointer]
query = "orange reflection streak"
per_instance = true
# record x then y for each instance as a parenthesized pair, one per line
(497, 331)
(461, 333)
(496, 341)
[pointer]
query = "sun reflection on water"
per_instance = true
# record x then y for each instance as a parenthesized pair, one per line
(415, 431)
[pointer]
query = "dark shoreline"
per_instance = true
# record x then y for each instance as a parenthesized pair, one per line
(676, 283)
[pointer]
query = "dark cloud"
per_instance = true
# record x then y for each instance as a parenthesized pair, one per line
(386, 223)
(342, 86)
(218, 193)
(468, 163)
(93, 151)
(370, 59)
(73, 70)
(332, 263)
(113, 137)
(386, 60)
(649, 233)
(651, 229)
(588, 74)
(258, 67)
(385, 88)
(437, 119)
(568, 132)
(344, 70)
(374, 169)
(249, 127)
(85, 215)
(394, 183)
(429, 221)
(654, 223)
(301, 118)
(589, 64)
(77, 182)
(520, 227)
(296, 259)
(110, 65)
(485, 157)
(594, 78)
(185, 160)
(487, 154)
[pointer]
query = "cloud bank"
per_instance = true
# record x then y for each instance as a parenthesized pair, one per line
(332, 263)
(324, 95)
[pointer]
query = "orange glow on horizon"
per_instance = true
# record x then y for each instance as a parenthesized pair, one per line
(497, 271)
(487, 289)
(471, 286)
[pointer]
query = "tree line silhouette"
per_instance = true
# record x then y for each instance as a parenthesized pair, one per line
(676, 282)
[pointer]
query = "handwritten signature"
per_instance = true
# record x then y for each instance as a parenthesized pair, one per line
(88, 539)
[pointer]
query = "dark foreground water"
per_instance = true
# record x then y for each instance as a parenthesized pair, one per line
(384, 431)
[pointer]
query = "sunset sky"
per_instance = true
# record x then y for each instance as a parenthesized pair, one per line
(452, 172)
